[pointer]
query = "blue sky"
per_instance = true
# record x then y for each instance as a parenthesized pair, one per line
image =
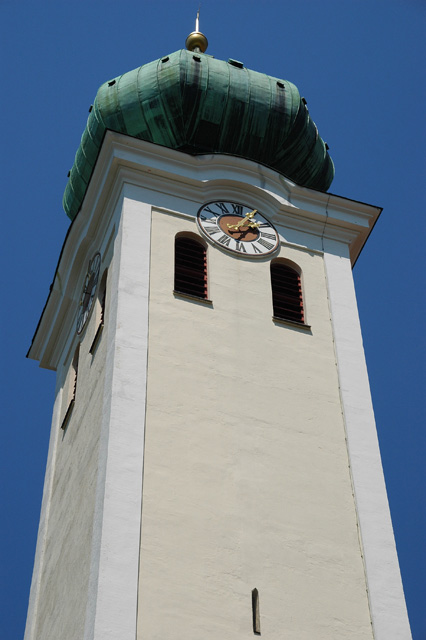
(360, 65)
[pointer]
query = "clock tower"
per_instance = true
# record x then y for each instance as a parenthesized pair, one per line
(213, 468)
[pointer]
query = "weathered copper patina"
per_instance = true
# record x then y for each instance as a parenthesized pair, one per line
(195, 104)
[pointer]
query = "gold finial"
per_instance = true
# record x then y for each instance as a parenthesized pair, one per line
(197, 41)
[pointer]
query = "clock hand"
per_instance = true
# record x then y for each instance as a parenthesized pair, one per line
(238, 225)
(246, 221)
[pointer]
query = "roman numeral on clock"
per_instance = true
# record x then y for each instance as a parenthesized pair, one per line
(209, 211)
(225, 240)
(211, 230)
(222, 207)
(264, 239)
(267, 245)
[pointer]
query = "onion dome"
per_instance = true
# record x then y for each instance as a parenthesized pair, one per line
(191, 102)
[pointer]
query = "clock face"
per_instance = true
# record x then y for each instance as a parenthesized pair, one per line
(89, 291)
(238, 228)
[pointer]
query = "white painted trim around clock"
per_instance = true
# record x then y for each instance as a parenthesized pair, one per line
(386, 597)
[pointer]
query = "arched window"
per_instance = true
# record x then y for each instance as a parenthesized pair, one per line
(286, 292)
(190, 267)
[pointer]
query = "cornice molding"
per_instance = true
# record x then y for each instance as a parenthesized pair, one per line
(128, 167)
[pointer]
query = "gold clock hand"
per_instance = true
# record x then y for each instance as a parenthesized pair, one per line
(245, 221)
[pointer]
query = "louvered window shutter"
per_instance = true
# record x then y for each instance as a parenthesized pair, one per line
(190, 267)
(75, 372)
(286, 293)
(103, 299)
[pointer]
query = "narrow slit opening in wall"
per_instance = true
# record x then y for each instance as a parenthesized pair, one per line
(103, 297)
(75, 373)
(255, 611)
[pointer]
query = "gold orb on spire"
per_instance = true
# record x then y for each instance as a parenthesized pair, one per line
(197, 41)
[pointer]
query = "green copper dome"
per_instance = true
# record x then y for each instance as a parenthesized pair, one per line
(195, 104)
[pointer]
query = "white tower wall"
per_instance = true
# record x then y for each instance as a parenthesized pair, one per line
(207, 453)
(246, 481)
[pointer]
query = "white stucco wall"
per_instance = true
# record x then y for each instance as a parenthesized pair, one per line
(66, 542)
(86, 570)
(246, 480)
(36, 582)
(389, 613)
(112, 601)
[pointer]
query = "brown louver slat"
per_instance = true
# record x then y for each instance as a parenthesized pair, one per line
(286, 293)
(190, 267)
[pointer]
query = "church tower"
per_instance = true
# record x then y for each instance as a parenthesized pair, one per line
(213, 468)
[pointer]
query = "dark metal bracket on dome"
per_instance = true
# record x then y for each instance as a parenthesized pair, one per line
(197, 41)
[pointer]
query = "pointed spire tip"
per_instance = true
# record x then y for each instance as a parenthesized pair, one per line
(197, 41)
